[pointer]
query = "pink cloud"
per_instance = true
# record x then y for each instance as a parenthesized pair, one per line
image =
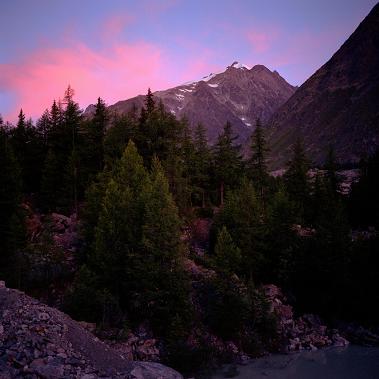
(118, 72)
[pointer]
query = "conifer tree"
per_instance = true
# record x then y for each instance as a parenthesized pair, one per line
(297, 181)
(227, 254)
(43, 127)
(167, 297)
(149, 102)
(242, 216)
(99, 122)
(227, 161)
(51, 182)
(11, 220)
(178, 166)
(29, 150)
(202, 162)
(91, 145)
(72, 119)
(55, 138)
(331, 172)
(119, 227)
(161, 232)
(19, 142)
(281, 239)
(257, 163)
(124, 128)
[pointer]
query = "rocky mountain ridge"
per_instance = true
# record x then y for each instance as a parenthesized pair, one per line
(239, 94)
(338, 105)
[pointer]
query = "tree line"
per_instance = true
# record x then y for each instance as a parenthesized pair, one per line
(137, 179)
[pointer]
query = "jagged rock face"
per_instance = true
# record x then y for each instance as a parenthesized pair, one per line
(39, 341)
(240, 95)
(338, 105)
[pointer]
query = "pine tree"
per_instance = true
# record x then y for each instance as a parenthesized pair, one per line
(167, 294)
(227, 161)
(55, 136)
(227, 255)
(91, 145)
(257, 163)
(99, 122)
(297, 181)
(44, 126)
(202, 162)
(124, 128)
(29, 150)
(19, 141)
(281, 239)
(331, 172)
(178, 166)
(11, 220)
(149, 103)
(161, 235)
(72, 119)
(242, 216)
(119, 228)
(51, 182)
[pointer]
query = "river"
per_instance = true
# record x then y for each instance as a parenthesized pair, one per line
(351, 362)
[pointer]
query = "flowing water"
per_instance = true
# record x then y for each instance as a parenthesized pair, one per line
(353, 362)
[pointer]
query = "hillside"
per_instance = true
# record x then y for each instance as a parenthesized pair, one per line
(338, 105)
(42, 342)
(240, 95)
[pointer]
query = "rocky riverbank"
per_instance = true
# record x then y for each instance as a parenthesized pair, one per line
(37, 341)
(306, 332)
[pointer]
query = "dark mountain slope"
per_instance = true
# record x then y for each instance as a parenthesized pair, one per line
(338, 105)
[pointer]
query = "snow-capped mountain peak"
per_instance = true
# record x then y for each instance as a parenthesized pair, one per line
(206, 78)
(240, 65)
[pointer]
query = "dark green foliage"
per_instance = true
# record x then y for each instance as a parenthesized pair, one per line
(331, 167)
(361, 295)
(227, 161)
(227, 256)
(51, 183)
(85, 301)
(62, 164)
(242, 216)
(136, 253)
(263, 329)
(29, 151)
(91, 145)
(43, 128)
(12, 234)
(324, 258)
(117, 137)
(201, 164)
(228, 308)
(364, 197)
(296, 180)
(158, 131)
(92, 207)
(140, 177)
(257, 164)
(149, 103)
(281, 240)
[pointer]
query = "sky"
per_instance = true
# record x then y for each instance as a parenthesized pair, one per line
(116, 49)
